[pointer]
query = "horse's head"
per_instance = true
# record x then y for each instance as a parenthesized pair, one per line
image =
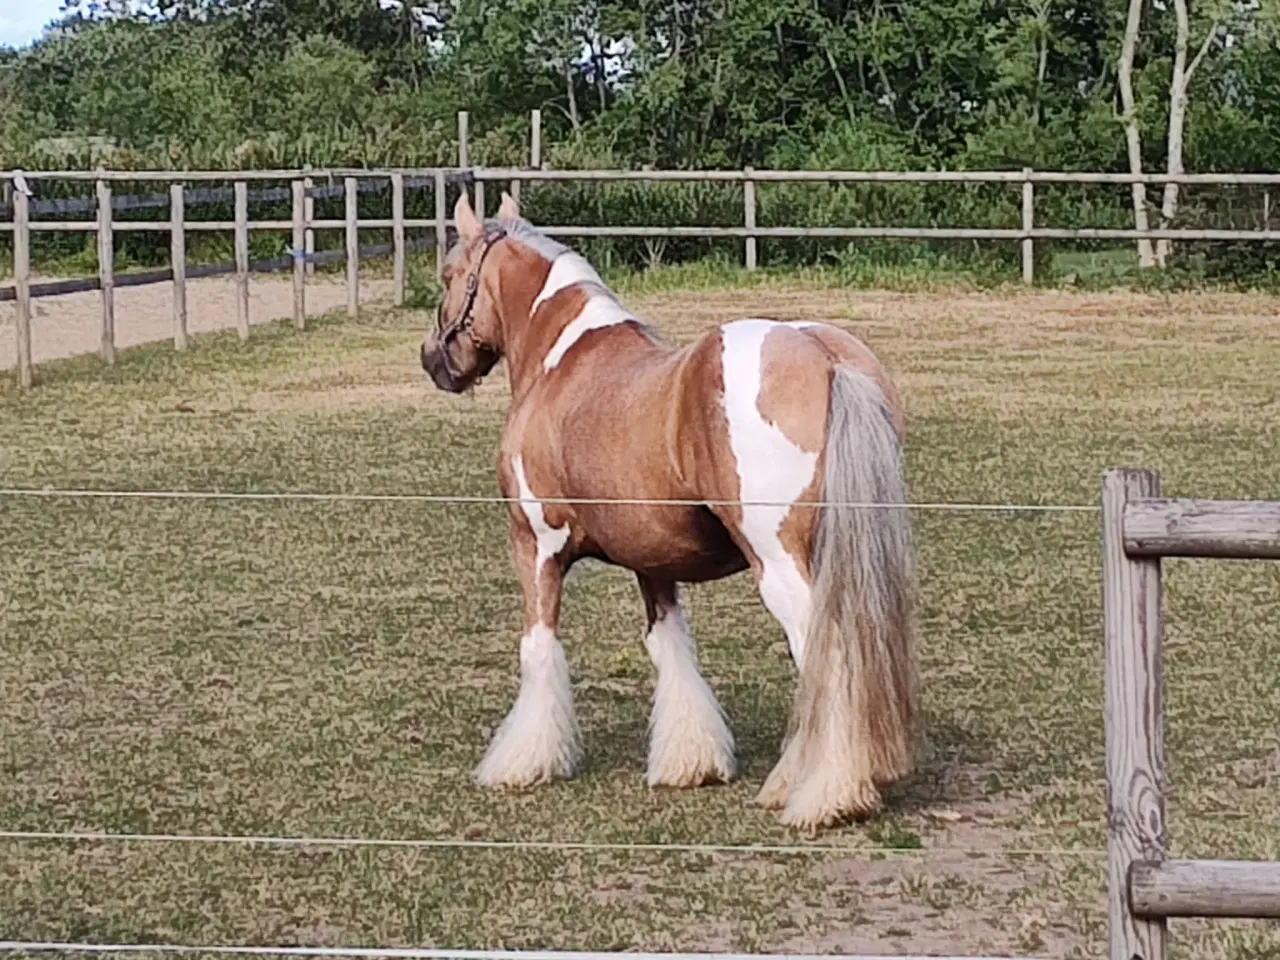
(467, 341)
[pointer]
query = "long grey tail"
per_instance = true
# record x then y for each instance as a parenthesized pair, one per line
(857, 702)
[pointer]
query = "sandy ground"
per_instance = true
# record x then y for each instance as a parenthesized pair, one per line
(69, 325)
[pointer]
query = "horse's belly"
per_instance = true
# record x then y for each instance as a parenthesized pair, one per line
(687, 544)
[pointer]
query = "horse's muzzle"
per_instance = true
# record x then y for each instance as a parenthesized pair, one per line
(433, 362)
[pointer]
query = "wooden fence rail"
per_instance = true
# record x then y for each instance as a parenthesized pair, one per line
(1146, 888)
(351, 184)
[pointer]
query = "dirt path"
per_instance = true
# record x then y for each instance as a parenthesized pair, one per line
(70, 325)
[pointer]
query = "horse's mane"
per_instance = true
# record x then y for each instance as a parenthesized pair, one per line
(518, 228)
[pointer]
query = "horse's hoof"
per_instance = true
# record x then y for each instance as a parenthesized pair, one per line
(808, 810)
(691, 780)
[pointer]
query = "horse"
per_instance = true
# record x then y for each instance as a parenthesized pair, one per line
(763, 445)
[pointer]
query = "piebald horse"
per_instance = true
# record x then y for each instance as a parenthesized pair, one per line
(769, 434)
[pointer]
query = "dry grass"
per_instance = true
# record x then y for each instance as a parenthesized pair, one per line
(322, 670)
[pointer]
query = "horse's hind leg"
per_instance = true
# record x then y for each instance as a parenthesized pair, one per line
(539, 741)
(785, 588)
(689, 739)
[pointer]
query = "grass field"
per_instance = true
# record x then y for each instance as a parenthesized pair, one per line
(312, 669)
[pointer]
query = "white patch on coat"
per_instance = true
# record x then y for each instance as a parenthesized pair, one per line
(770, 468)
(566, 270)
(689, 739)
(601, 310)
(550, 540)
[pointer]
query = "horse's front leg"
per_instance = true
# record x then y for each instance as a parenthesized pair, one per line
(539, 741)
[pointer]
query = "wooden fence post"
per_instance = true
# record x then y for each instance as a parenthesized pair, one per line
(464, 149)
(299, 255)
(1134, 717)
(533, 124)
(178, 262)
(242, 258)
(106, 273)
(309, 211)
(442, 233)
(1028, 224)
(749, 216)
(479, 198)
(397, 236)
(535, 149)
(351, 190)
(22, 280)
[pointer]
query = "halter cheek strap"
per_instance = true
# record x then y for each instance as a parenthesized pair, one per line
(466, 319)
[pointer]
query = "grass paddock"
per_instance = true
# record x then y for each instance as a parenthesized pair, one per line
(335, 669)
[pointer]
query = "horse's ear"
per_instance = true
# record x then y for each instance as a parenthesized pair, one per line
(468, 226)
(510, 208)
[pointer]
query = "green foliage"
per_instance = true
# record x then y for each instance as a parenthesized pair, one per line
(817, 84)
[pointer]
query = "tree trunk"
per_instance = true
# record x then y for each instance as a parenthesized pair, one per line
(1179, 82)
(573, 97)
(844, 90)
(597, 54)
(1133, 137)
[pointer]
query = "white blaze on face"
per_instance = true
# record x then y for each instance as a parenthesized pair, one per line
(550, 540)
(770, 468)
(601, 311)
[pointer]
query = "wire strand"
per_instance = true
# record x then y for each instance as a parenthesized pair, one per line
(412, 953)
(543, 845)
(457, 499)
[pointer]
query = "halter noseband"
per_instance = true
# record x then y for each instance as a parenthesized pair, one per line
(466, 319)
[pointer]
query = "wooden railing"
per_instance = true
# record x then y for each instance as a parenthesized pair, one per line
(302, 223)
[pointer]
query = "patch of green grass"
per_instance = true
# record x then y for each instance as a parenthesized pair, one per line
(310, 669)
(894, 836)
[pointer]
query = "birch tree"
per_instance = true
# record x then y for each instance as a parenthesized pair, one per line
(1179, 83)
(1132, 131)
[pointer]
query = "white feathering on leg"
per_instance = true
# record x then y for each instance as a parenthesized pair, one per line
(539, 741)
(689, 740)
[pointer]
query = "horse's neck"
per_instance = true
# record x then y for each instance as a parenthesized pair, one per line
(542, 327)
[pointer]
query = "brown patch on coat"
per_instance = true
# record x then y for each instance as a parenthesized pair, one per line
(795, 381)
(845, 348)
(795, 386)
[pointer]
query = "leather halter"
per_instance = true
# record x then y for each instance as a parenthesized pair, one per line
(466, 319)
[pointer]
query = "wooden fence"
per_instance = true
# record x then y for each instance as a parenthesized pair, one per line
(1146, 888)
(302, 223)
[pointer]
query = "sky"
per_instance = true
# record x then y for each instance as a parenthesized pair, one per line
(22, 20)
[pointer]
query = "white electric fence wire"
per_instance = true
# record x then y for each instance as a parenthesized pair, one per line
(450, 499)
(412, 953)
(541, 845)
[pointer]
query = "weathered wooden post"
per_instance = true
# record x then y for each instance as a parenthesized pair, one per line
(1028, 224)
(352, 197)
(309, 210)
(241, 190)
(299, 254)
(442, 232)
(397, 236)
(106, 273)
(178, 262)
(1135, 715)
(22, 277)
